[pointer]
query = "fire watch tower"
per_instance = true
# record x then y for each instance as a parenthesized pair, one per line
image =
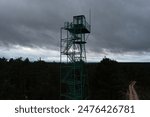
(73, 78)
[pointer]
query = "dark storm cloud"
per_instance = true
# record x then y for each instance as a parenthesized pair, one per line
(121, 25)
(117, 25)
(30, 22)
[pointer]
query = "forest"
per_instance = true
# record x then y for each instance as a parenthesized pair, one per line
(22, 79)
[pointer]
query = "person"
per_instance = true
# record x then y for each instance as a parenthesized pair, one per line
(132, 92)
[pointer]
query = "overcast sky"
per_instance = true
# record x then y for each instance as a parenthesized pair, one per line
(31, 28)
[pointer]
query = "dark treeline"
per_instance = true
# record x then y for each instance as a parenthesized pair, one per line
(22, 79)
(108, 79)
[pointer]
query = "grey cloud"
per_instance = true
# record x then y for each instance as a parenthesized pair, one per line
(121, 25)
(29, 22)
(117, 25)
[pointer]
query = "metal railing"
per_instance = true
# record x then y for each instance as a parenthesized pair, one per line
(70, 25)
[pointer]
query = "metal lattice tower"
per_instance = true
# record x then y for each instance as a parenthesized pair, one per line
(73, 57)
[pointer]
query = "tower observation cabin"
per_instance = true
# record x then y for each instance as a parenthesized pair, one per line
(78, 26)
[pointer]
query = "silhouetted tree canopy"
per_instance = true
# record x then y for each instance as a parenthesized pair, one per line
(24, 79)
